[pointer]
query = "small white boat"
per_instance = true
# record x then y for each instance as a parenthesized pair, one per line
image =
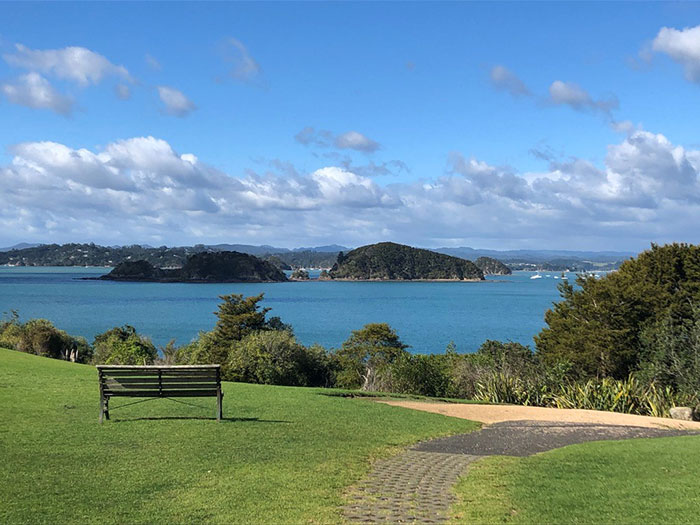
(536, 276)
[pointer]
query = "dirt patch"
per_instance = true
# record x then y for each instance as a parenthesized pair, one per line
(500, 413)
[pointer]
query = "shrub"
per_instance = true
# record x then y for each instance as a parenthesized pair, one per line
(277, 358)
(426, 375)
(41, 337)
(365, 358)
(123, 346)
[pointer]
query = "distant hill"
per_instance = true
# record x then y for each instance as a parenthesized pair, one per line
(205, 267)
(491, 266)
(20, 246)
(390, 261)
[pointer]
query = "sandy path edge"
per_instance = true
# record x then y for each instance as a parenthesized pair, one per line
(498, 413)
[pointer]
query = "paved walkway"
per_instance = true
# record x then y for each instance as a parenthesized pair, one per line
(416, 486)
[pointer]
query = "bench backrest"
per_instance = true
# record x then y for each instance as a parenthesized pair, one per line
(160, 381)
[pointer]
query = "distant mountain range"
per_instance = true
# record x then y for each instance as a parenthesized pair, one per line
(304, 257)
(19, 246)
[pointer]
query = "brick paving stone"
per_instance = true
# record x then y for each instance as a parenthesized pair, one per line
(412, 487)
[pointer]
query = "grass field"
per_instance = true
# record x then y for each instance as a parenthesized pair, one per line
(284, 455)
(635, 481)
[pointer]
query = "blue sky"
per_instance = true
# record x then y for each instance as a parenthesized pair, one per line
(495, 125)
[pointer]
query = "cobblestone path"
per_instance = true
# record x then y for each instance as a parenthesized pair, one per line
(413, 487)
(416, 486)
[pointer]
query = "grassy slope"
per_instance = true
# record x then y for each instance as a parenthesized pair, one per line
(636, 481)
(285, 455)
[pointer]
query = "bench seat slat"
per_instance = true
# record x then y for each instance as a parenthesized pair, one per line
(169, 393)
(156, 380)
(156, 387)
(155, 373)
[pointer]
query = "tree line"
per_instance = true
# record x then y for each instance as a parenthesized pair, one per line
(629, 341)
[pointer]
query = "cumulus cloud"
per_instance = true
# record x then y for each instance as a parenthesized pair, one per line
(323, 138)
(646, 190)
(34, 91)
(244, 67)
(357, 141)
(572, 95)
(175, 102)
(682, 46)
(504, 79)
(77, 64)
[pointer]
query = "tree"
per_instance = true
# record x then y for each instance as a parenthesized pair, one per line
(366, 354)
(597, 327)
(238, 317)
(277, 358)
(122, 345)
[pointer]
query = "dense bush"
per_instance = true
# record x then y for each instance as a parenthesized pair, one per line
(365, 359)
(123, 346)
(41, 337)
(276, 358)
(600, 327)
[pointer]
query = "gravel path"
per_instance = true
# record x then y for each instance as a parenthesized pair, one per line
(499, 413)
(416, 486)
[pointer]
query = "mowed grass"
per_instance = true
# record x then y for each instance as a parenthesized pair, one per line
(283, 455)
(634, 481)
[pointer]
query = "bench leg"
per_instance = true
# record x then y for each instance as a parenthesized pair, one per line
(102, 409)
(107, 408)
(219, 407)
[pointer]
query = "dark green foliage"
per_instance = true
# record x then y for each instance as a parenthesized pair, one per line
(123, 346)
(276, 358)
(41, 337)
(391, 261)
(671, 353)
(299, 275)
(491, 266)
(366, 355)
(598, 328)
(425, 375)
(93, 255)
(216, 267)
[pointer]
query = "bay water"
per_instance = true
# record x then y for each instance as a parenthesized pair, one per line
(426, 315)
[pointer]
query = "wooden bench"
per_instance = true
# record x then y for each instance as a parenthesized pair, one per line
(159, 382)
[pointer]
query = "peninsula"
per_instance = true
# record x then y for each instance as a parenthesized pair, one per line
(205, 267)
(388, 261)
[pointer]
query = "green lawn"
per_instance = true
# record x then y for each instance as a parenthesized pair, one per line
(284, 455)
(636, 481)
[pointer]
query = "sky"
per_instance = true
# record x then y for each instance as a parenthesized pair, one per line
(491, 125)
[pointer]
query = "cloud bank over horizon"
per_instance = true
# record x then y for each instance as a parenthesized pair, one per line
(142, 190)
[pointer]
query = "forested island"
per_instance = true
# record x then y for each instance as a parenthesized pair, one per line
(205, 267)
(388, 261)
(491, 266)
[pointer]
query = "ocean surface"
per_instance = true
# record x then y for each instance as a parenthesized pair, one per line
(426, 315)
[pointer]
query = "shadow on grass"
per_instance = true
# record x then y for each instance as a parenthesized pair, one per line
(201, 418)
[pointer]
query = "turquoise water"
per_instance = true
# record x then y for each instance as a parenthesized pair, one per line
(426, 315)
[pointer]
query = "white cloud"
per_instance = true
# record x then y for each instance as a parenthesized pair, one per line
(175, 102)
(503, 78)
(682, 46)
(34, 91)
(77, 64)
(244, 68)
(357, 141)
(647, 190)
(572, 95)
(323, 138)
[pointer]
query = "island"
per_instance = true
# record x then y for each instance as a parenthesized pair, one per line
(388, 261)
(205, 267)
(491, 266)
